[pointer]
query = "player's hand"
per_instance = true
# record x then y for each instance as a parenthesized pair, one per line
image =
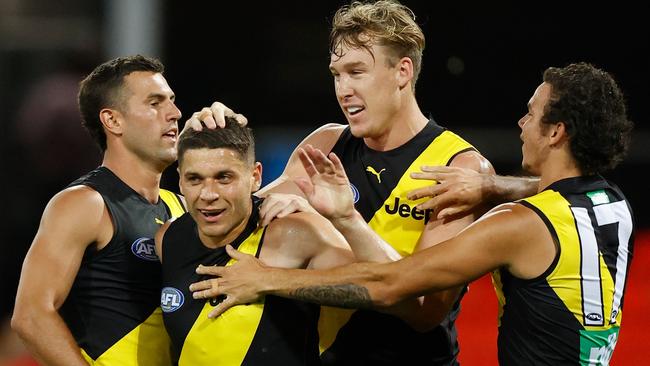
(278, 205)
(328, 188)
(457, 190)
(237, 284)
(212, 117)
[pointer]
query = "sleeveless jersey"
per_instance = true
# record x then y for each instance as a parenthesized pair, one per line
(380, 182)
(570, 314)
(112, 309)
(275, 331)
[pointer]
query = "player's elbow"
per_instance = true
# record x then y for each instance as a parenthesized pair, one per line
(386, 294)
(433, 309)
(384, 300)
(23, 322)
(26, 321)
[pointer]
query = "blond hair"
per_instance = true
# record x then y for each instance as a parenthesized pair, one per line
(385, 23)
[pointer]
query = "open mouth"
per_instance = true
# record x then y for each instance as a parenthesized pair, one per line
(171, 134)
(352, 111)
(212, 215)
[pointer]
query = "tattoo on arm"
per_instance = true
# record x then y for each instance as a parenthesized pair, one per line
(345, 296)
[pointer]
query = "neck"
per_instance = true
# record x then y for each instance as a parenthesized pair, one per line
(407, 122)
(558, 168)
(142, 177)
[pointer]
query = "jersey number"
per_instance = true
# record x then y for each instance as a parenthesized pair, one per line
(592, 294)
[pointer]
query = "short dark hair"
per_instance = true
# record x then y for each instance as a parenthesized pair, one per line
(103, 86)
(233, 136)
(592, 107)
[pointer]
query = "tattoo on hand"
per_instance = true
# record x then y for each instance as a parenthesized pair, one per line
(345, 296)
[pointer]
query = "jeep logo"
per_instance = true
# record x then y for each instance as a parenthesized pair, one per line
(404, 210)
(171, 299)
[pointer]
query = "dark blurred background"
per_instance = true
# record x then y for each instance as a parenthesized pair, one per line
(269, 61)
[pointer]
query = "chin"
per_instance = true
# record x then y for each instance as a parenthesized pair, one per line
(171, 156)
(358, 130)
(167, 159)
(212, 232)
(528, 169)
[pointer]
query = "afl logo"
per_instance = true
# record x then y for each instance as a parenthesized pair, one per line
(355, 193)
(144, 248)
(594, 317)
(171, 299)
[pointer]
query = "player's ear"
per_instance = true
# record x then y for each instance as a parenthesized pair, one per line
(111, 120)
(256, 178)
(404, 71)
(180, 179)
(180, 176)
(558, 133)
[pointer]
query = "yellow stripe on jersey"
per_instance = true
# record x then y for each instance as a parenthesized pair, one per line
(233, 331)
(498, 288)
(330, 322)
(173, 202)
(565, 279)
(403, 228)
(147, 344)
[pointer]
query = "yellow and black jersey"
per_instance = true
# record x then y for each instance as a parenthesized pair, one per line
(380, 182)
(275, 331)
(113, 306)
(570, 314)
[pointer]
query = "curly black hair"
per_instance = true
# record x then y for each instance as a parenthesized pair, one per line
(592, 107)
(102, 87)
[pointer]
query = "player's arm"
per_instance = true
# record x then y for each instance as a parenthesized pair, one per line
(502, 188)
(327, 248)
(510, 236)
(459, 189)
(73, 219)
(324, 139)
(306, 240)
(435, 306)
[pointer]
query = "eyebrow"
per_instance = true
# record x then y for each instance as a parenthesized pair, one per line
(192, 173)
(160, 96)
(349, 65)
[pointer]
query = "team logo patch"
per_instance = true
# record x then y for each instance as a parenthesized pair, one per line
(145, 248)
(171, 299)
(355, 193)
